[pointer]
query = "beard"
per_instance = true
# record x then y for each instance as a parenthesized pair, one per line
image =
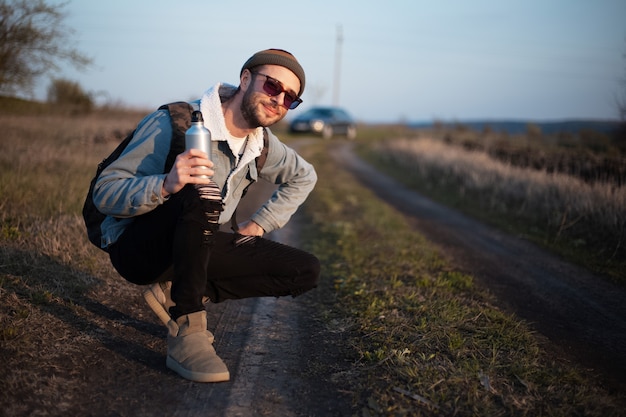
(252, 114)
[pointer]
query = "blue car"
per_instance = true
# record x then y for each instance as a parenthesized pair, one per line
(324, 121)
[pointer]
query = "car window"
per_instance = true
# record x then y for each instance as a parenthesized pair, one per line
(342, 115)
(325, 113)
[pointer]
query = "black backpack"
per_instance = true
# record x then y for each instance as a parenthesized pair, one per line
(180, 115)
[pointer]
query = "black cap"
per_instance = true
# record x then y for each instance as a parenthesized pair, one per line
(277, 57)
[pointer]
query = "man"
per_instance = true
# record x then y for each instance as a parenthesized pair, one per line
(163, 227)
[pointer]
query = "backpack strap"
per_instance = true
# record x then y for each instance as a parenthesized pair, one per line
(180, 115)
(260, 163)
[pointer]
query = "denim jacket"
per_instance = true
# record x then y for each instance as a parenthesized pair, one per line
(131, 186)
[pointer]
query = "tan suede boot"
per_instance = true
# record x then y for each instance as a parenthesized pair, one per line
(190, 352)
(159, 299)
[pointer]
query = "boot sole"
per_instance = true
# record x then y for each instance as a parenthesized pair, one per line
(196, 376)
(156, 306)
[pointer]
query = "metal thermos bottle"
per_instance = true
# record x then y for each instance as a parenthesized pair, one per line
(198, 136)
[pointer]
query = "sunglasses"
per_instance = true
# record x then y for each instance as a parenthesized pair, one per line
(273, 87)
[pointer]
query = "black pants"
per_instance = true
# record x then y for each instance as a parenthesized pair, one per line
(207, 262)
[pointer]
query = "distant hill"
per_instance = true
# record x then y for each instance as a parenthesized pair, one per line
(518, 127)
(21, 106)
(14, 105)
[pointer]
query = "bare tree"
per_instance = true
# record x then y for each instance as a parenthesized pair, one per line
(33, 40)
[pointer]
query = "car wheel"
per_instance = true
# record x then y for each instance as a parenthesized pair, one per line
(351, 133)
(327, 132)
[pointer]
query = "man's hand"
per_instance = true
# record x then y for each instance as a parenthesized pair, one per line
(250, 228)
(186, 170)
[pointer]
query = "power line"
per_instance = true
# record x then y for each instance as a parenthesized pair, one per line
(337, 80)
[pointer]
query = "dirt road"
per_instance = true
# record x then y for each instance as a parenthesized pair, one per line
(582, 315)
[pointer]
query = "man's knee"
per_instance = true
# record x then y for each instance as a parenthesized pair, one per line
(309, 276)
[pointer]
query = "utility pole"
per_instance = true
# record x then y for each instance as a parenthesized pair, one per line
(336, 82)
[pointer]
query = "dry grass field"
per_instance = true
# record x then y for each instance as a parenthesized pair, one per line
(562, 206)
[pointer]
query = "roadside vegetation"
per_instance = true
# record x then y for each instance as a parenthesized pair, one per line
(565, 192)
(419, 338)
(424, 340)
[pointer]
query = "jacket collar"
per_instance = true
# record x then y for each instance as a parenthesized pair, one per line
(211, 108)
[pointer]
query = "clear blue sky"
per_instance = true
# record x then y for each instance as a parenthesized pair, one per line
(400, 59)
